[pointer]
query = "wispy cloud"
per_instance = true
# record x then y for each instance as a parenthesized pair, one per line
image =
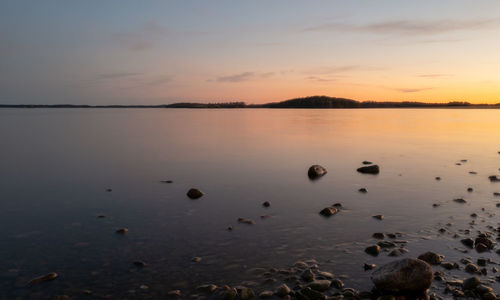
(339, 69)
(320, 79)
(244, 76)
(411, 90)
(117, 75)
(433, 75)
(409, 27)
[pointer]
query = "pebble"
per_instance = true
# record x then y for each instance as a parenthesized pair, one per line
(47, 277)
(266, 204)
(378, 217)
(122, 230)
(196, 259)
(363, 190)
(283, 290)
(373, 250)
(369, 266)
(194, 193)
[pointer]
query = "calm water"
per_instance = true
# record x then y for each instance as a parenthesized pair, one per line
(56, 165)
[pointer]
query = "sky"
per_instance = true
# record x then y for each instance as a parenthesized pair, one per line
(155, 52)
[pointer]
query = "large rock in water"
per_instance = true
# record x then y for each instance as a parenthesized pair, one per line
(316, 171)
(194, 193)
(405, 276)
(373, 169)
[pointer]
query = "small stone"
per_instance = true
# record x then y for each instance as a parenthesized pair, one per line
(247, 294)
(480, 247)
(230, 294)
(109, 190)
(471, 283)
(368, 266)
(438, 178)
(436, 205)
(365, 162)
(363, 190)
(378, 217)
(373, 250)
(386, 244)
(307, 275)
(283, 290)
(460, 200)
(328, 211)
(378, 235)
(308, 293)
(207, 288)
(398, 252)
(266, 294)
(489, 296)
(194, 193)
(431, 258)
(471, 268)
(493, 178)
(174, 293)
(320, 285)
(447, 265)
(196, 259)
(337, 283)
(122, 230)
(139, 264)
(166, 181)
(229, 228)
(143, 287)
(470, 190)
(47, 277)
(316, 171)
(373, 169)
(468, 242)
(101, 216)
(246, 221)
(326, 275)
(481, 262)
(337, 205)
(266, 204)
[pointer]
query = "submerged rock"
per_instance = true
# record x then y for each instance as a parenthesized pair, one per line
(47, 277)
(316, 171)
(373, 250)
(122, 230)
(398, 252)
(378, 235)
(493, 178)
(328, 211)
(194, 193)
(471, 283)
(431, 258)
(403, 276)
(373, 169)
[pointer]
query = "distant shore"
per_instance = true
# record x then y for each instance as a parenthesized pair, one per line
(314, 102)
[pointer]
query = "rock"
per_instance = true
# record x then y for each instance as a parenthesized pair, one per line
(47, 277)
(489, 296)
(436, 205)
(368, 266)
(378, 235)
(109, 190)
(378, 217)
(174, 293)
(326, 275)
(101, 216)
(246, 221)
(230, 294)
(398, 252)
(316, 171)
(283, 290)
(493, 178)
(328, 211)
(486, 241)
(373, 250)
(365, 162)
(497, 194)
(473, 172)
(431, 258)
(194, 193)
(468, 242)
(266, 294)
(471, 268)
(229, 228)
(460, 200)
(470, 190)
(386, 244)
(247, 294)
(166, 181)
(438, 178)
(266, 204)
(320, 285)
(483, 289)
(363, 190)
(307, 275)
(122, 230)
(196, 259)
(481, 262)
(139, 264)
(337, 205)
(373, 169)
(447, 265)
(310, 294)
(337, 283)
(471, 283)
(403, 276)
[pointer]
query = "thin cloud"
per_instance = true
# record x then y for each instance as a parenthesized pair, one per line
(244, 76)
(433, 75)
(160, 80)
(142, 39)
(409, 27)
(338, 69)
(320, 79)
(411, 90)
(117, 75)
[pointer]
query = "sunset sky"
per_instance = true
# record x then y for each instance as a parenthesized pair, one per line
(153, 52)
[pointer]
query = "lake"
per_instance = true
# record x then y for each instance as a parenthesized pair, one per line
(57, 164)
